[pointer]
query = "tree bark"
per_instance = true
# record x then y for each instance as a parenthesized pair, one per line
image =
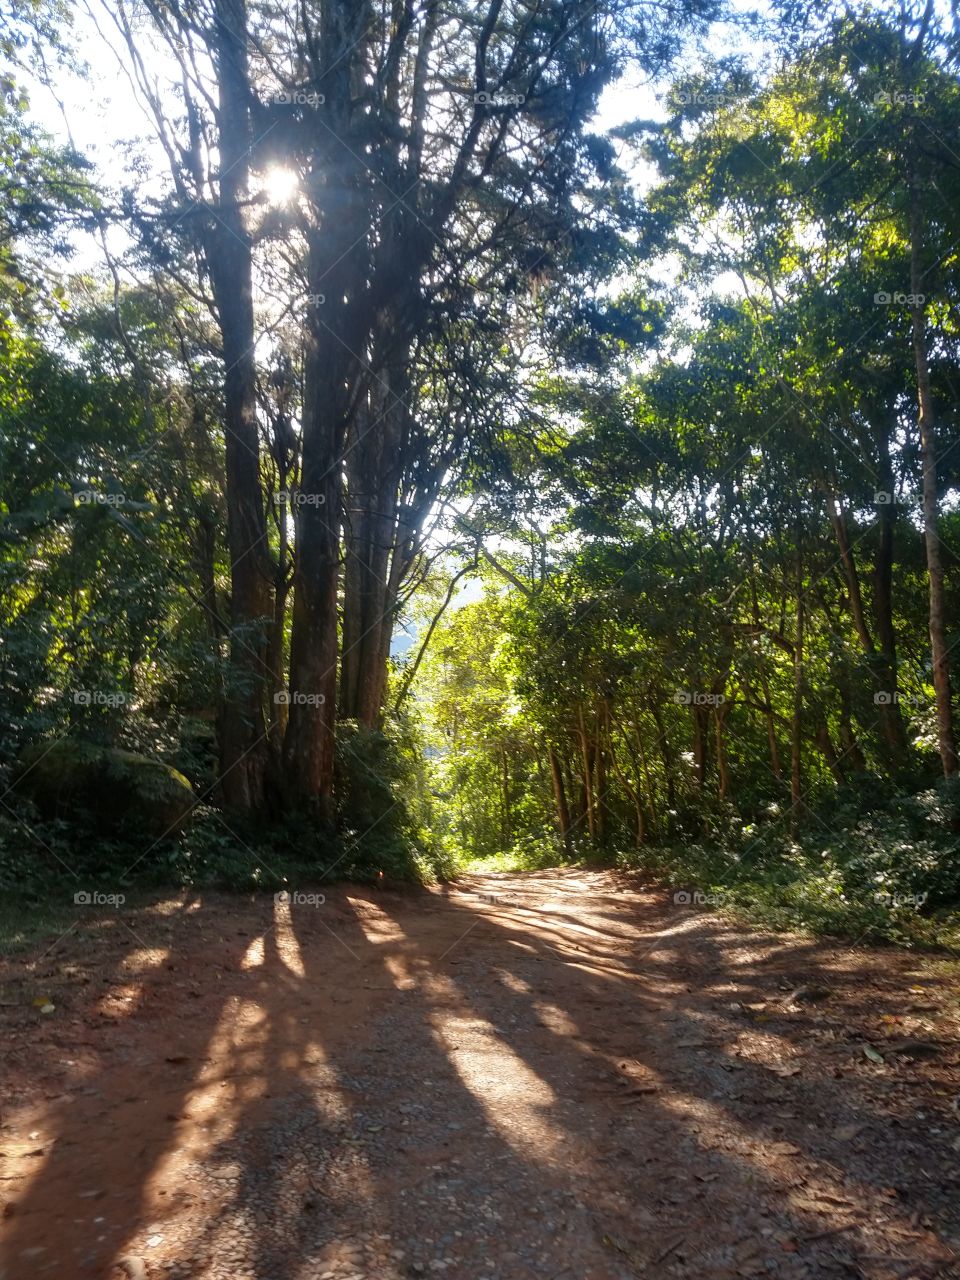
(796, 743)
(372, 469)
(560, 798)
(308, 746)
(586, 754)
(931, 507)
(243, 741)
(894, 727)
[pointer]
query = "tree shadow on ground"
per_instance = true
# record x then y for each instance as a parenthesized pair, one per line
(428, 1077)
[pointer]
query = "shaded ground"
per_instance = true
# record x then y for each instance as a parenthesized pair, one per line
(557, 1074)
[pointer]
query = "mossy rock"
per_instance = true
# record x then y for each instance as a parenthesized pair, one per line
(115, 790)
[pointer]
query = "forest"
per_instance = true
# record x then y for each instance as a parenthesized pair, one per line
(479, 624)
(404, 471)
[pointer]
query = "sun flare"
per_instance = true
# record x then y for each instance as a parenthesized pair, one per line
(280, 185)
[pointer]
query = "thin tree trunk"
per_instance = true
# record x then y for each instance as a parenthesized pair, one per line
(796, 745)
(504, 800)
(825, 743)
(699, 716)
(931, 506)
(666, 753)
(560, 799)
(723, 774)
(588, 793)
(884, 681)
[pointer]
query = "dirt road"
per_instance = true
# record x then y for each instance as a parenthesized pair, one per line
(558, 1075)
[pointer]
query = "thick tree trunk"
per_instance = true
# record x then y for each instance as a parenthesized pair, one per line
(931, 506)
(370, 536)
(308, 746)
(337, 193)
(243, 741)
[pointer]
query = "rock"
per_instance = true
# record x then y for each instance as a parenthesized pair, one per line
(114, 789)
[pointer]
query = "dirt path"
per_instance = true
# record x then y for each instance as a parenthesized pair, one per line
(551, 1075)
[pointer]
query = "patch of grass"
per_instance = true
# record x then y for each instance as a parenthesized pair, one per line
(527, 855)
(24, 923)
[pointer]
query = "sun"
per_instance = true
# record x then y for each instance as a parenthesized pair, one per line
(280, 185)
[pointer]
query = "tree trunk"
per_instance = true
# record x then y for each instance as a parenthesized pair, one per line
(337, 195)
(700, 717)
(796, 743)
(369, 537)
(723, 774)
(893, 726)
(504, 800)
(560, 798)
(243, 741)
(884, 678)
(308, 746)
(588, 792)
(666, 754)
(931, 508)
(829, 751)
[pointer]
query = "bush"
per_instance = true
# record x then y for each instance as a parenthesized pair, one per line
(890, 874)
(384, 807)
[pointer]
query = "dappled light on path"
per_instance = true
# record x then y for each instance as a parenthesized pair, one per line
(556, 1074)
